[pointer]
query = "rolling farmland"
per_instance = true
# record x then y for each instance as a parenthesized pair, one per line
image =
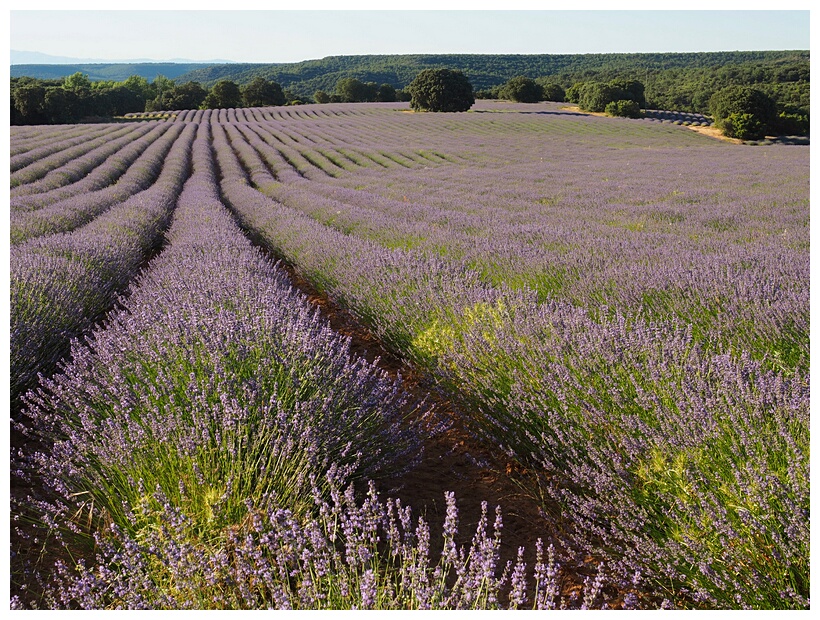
(618, 310)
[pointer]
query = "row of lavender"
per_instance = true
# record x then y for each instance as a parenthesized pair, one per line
(128, 172)
(204, 422)
(28, 150)
(39, 168)
(729, 260)
(492, 344)
(77, 166)
(62, 283)
(678, 447)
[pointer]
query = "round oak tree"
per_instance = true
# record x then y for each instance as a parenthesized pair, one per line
(386, 93)
(224, 94)
(553, 92)
(261, 92)
(523, 90)
(742, 112)
(321, 96)
(623, 107)
(441, 90)
(188, 96)
(594, 96)
(352, 90)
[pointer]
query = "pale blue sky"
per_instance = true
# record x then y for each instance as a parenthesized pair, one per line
(290, 36)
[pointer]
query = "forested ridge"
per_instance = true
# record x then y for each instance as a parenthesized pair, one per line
(672, 81)
(194, 426)
(102, 71)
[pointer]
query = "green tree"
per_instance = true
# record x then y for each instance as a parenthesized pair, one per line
(386, 92)
(791, 122)
(138, 84)
(441, 90)
(632, 90)
(352, 90)
(573, 93)
(743, 125)
(743, 112)
(371, 91)
(28, 102)
(489, 93)
(292, 97)
(523, 90)
(593, 96)
(553, 92)
(122, 100)
(224, 94)
(140, 89)
(321, 96)
(187, 96)
(261, 92)
(60, 105)
(623, 107)
(158, 94)
(78, 83)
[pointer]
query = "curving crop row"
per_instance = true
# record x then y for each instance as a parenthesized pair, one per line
(62, 283)
(43, 160)
(107, 173)
(660, 449)
(229, 378)
(274, 161)
(43, 140)
(69, 213)
(89, 164)
(26, 138)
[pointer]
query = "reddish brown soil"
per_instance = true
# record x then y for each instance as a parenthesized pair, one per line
(453, 460)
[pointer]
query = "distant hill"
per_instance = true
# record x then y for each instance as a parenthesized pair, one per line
(19, 57)
(107, 71)
(673, 81)
(483, 70)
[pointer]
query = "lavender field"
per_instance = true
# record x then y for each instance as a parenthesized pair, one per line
(617, 308)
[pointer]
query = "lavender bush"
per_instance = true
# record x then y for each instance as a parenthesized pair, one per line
(61, 284)
(74, 211)
(217, 386)
(77, 168)
(621, 306)
(688, 468)
(42, 165)
(489, 346)
(25, 139)
(52, 140)
(106, 173)
(350, 555)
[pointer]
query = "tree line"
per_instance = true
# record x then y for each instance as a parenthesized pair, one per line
(683, 82)
(673, 81)
(739, 111)
(76, 98)
(774, 103)
(487, 71)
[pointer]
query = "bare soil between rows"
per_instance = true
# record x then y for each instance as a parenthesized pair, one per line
(452, 461)
(455, 461)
